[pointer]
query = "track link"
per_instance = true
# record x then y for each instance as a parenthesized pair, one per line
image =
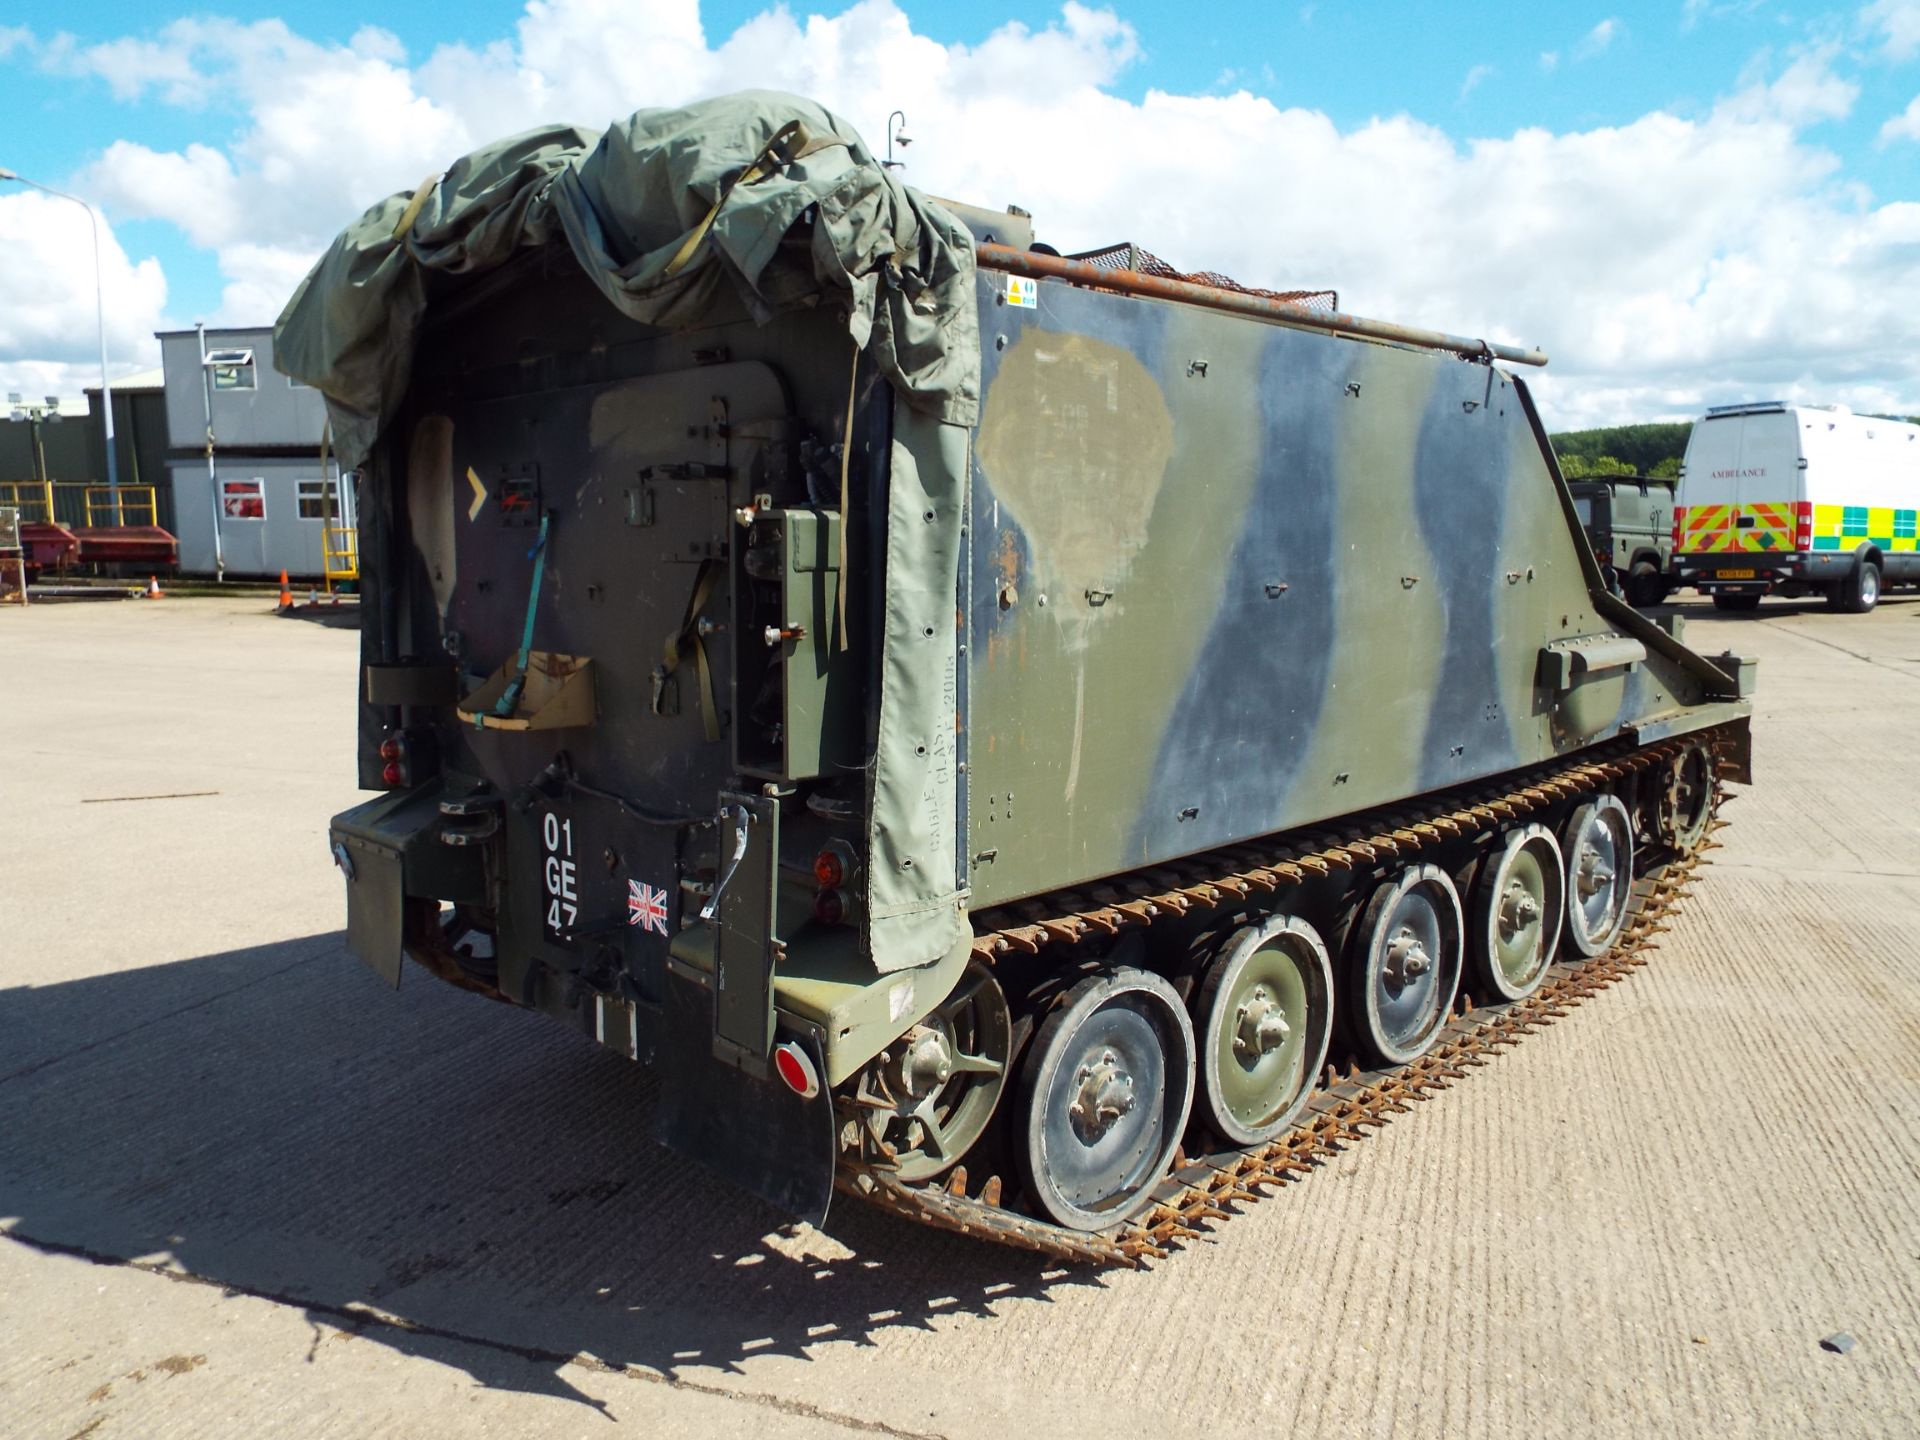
(1205, 1189)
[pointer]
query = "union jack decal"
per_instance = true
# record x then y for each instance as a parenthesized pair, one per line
(646, 907)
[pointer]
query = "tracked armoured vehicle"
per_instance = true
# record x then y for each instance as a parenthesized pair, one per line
(1043, 746)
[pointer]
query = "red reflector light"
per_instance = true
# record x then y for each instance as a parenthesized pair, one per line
(390, 748)
(392, 774)
(795, 1068)
(830, 907)
(829, 869)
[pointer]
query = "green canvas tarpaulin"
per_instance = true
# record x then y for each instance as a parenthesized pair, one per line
(631, 204)
(673, 214)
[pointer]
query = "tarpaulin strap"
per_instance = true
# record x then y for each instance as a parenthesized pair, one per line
(805, 143)
(846, 459)
(510, 696)
(415, 206)
(688, 637)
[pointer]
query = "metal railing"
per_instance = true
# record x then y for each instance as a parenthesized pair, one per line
(32, 498)
(340, 552)
(79, 504)
(138, 506)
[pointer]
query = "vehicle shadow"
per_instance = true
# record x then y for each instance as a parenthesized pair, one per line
(443, 1175)
(1775, 606)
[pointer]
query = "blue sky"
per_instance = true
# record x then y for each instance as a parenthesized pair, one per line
(1468, 79)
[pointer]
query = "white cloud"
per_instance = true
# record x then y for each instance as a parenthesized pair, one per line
(49, 325)
(1475, 76)
(1697, 10)
(14, 37)
(1807, 91)
(1597, 39)
(1904, 126)
(1665, 263)
(1897, 22)
(1549, 60)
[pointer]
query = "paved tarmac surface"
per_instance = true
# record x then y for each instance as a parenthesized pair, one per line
(246, 1190)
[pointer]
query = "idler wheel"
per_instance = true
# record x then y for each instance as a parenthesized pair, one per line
(1519, 903)
(1264, 1016)
(937, 1086)
(1403, 965)
(1104, 1094)
(1686, 801)
(1598, 844)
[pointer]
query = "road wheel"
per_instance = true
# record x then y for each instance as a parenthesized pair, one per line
(1519, 900)
(1645, 585)
(1686, 799)
(1403, 965)
(1264, 1016)
(1598, 844)
(1104, 1094)
(1860, 591)
(928, 1096)
(1736, 600)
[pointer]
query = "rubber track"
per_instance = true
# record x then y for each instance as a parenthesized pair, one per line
(1200, 1190)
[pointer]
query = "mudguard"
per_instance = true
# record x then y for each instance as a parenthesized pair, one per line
(757, 1134)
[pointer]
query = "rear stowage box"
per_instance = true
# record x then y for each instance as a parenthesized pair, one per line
(1777, 499)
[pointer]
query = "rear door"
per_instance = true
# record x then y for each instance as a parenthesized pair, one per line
(1710, 488)
(1767, 480)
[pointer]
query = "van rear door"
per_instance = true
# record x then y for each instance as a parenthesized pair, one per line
(1741, 480)
(1768, 481)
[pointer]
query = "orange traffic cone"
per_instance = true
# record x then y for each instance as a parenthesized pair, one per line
(286, 592)
(154, 592)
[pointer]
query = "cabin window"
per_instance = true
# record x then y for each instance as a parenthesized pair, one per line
(243, 499)
(232, 369)
(317, 499)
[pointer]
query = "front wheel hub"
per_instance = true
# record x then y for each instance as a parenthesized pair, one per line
(1106, 1093)
(1260, 1025)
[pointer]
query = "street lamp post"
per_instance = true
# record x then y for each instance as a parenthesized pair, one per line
(100, 306)
(896, 135)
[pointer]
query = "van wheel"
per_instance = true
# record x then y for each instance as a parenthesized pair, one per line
(1645, 585)
(1860, 591)
(1736, 600)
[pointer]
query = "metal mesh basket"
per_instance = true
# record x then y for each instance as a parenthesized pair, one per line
(1128, 256)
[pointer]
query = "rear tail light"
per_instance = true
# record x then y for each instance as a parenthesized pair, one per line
(1803, 525)
(830, 906)
(1679, 514)
(829, 870)
(835, 865)
(796, 1069)
(395, 769)
(834, 869)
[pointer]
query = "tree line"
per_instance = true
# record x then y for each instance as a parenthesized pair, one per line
(1654, 449)
(1623, 450)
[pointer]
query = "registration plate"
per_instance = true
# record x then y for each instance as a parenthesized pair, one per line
(1735, 574)
(559, 877)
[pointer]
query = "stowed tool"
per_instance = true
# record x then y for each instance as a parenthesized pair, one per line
(536, 689)
(510, 697)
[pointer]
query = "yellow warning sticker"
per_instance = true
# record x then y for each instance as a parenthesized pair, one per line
(1023, 292)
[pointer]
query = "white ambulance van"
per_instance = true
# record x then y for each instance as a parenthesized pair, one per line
(1782, 500)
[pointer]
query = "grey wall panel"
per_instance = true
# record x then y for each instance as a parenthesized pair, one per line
(254, 547)
(274, 413)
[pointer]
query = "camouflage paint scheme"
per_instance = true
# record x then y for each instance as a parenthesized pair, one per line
(1219, 579)
(1229, 578)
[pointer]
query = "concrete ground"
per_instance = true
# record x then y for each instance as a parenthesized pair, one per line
(246, 1190)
